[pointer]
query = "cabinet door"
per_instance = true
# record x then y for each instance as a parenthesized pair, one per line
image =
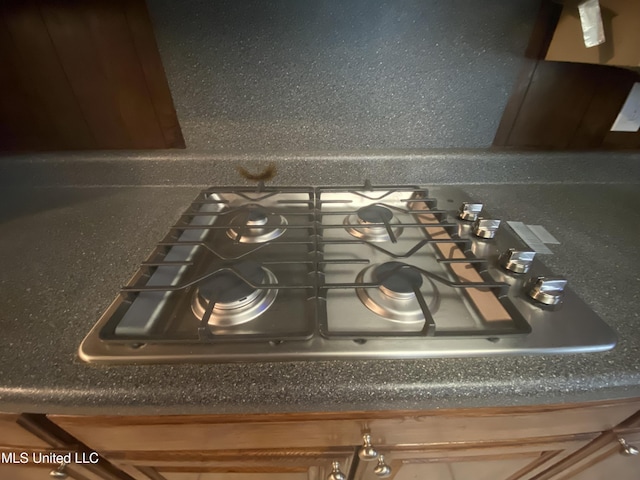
(294, 464)
(480, 462)
(18, 442)
(607, 463)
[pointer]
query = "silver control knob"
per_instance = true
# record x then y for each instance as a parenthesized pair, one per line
(469, 211)
(336, 473)
(367, 452)
(547, 290)
(382, 470)
(516, 261)
(485, 227)
(59, 472)
(628, 450)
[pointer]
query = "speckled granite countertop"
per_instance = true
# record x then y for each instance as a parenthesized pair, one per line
(72, 230)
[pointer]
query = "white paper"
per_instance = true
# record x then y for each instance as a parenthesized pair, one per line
(591, 21)
(628, 119)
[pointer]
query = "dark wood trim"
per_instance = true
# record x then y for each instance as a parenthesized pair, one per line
(151, 473)
(146, 47)
(51, 433)
(563, 105)
(576, 457)
(546, 457)
(539, 42)
(82, 75)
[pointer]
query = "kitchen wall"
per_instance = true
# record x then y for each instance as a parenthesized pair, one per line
(287, 75)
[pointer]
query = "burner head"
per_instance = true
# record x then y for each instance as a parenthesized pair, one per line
(236, 301)
(395, 298)
(254, 224)
(370, 224)
(397, 280)
(256, 216)
(374, 214)
(226, 287)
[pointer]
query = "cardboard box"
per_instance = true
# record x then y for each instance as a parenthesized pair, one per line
(621, 22)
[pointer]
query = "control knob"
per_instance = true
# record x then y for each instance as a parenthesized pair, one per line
(516, 261)
(485, 227)
(546, 290)
(469, 211)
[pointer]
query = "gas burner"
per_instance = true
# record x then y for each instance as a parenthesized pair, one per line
(372, 223)
(256, 225)
(394, 298)
(237, 302)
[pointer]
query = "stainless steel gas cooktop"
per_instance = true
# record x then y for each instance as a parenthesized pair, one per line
(285, 273)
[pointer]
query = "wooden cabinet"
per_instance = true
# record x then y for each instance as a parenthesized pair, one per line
(557, 442)
(603, 459)
(82, 75)
(292, 464)
(490, 461)
(610, 462)
(29, 439)
(518, 443)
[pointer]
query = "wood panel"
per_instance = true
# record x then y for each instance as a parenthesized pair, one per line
(602, 459)
(604, 450)
(461, 462)
(559, 105)
(250, 464)
(539, 42)
(82, 75)
(12, 434)
(391, 428)
(144, 40)
(40, 72)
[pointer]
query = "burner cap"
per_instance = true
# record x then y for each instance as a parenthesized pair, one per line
(403, 280)
(394, 298)
(374, 214)
(256, 217)
(254, 224)
(226, 287)
(372, 224)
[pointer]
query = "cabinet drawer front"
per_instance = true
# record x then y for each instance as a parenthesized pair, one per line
(603, 458)
(499, 461)
(174, 433)
(248, 464)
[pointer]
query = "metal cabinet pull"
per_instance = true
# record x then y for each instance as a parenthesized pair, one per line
(382, 470)
(628, 450)
(59, 472)
(367, 452)
(336, 473)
